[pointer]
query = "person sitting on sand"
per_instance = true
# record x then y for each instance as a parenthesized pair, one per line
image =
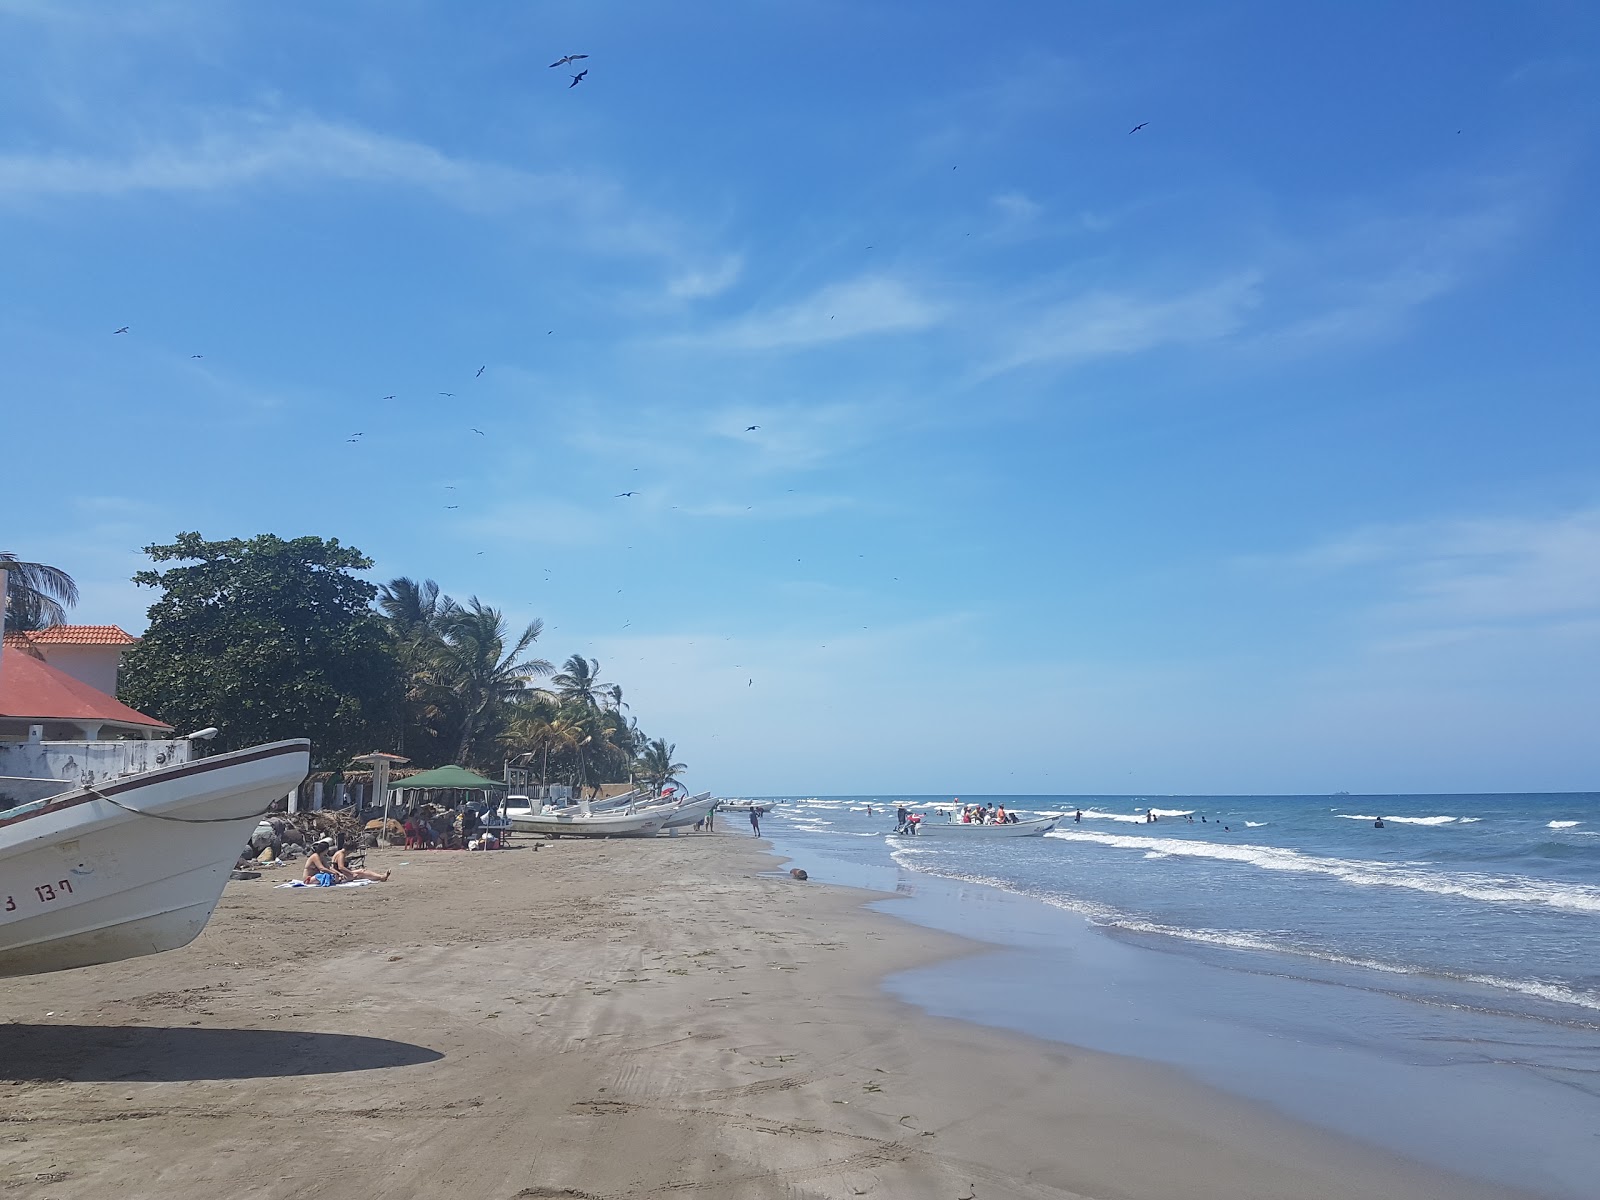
(345, 872)
(319, 871)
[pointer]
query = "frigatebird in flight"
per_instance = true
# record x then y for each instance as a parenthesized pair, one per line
(751, 428)
(620, 495)
(481, 370)
(567, 58)
(124, 329)
(1139, 126)
(578, 78)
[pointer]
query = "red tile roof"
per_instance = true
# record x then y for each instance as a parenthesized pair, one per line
(77, 635)
(32, 690)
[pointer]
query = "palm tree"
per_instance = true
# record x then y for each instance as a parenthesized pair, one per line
(580, 681)
(37, 596)
(414, 607)
(417, 615)
(657, 766)
(483, 675)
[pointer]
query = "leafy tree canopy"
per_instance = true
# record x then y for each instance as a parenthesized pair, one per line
(267, 638)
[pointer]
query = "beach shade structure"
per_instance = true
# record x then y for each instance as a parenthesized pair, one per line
(444, 779)
(380, 763)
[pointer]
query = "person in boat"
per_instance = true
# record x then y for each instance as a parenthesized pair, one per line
(342, 868)
(1000, 814)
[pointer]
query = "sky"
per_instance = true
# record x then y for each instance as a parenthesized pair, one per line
(854, 381)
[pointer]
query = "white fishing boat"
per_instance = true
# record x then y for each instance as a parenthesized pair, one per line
(690, 809)
(573, 822)
(115, 841)
(1036, 827)
(133, 862)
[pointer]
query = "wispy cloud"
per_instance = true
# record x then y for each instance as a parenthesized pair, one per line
(871, 304)
(245, 150)
(1106, 324)
(706, 280)
(1454, 580)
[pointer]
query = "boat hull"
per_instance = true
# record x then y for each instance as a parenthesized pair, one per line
(1037, 827)
(691, 810)
(594, 825)
(83, 881)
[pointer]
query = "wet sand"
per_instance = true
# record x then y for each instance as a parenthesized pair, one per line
(598, 1019)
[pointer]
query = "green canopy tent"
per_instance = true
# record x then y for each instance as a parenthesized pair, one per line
(440, 779)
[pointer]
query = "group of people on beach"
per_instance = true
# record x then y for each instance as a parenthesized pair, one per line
(459, 830)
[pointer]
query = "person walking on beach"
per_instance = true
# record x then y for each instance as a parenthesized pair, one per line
(755, 821)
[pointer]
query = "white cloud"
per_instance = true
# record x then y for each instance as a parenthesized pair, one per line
(255, 150)
(1107, 324)
(700, 282)
(872, 304)
(1449, 581)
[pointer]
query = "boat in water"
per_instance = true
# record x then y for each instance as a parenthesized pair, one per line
(1036, 827)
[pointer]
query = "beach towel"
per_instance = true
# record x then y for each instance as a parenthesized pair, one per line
(301, 883)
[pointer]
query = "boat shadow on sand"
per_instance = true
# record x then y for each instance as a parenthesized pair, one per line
(164, 1054)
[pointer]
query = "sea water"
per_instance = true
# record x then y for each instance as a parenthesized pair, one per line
(1433, 984)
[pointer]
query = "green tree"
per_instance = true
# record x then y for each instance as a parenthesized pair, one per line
(418, 616)
(579, 681)
(481, 673)
(656, 764)
(267, 639)
(37, 596)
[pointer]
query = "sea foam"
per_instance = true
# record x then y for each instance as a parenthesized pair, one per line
(1493, 889)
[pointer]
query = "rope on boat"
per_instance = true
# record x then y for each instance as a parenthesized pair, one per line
(139, 812)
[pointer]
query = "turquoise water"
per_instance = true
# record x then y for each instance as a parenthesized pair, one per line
(1433, 985)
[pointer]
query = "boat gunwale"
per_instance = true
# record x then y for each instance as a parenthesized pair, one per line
(144, 778)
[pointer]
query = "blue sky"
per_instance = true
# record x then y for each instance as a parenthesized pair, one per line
(1254, 451)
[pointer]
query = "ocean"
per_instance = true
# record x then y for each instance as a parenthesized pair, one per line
(1432, 986)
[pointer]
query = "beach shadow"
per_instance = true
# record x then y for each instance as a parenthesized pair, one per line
(138, 1053)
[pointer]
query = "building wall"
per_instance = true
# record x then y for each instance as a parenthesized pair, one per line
(95, 665)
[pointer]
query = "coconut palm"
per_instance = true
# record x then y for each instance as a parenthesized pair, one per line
(579, 680)
(656, 764)
(37, 596)
(475, 665)
(417, 615)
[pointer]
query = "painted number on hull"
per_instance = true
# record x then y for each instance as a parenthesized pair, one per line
(44, 893)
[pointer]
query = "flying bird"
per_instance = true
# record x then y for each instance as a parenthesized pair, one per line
(620, 495)
(479, 432)
(447, 393)
(751, 428)
(481, 370)
(388, 397)
(567, 58)
(448, 507)
(197, 356)
(578, 78)
(1139, 126)
(124, 329)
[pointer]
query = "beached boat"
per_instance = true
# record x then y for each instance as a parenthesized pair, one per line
(1036, 827)
(690, 810)
(132, 856)
(571, 822)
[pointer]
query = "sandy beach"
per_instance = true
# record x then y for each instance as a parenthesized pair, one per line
(598, 1019)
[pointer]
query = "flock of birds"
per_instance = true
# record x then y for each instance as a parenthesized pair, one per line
(355, 438)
